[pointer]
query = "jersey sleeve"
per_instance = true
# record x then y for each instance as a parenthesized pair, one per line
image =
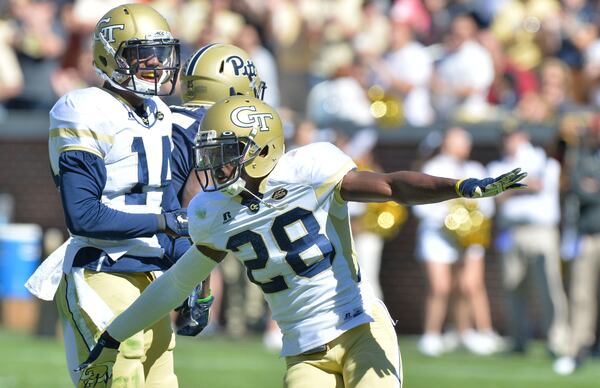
(185, 126)
(181, 160)
(324, 166)
(82, 177)
(200, 219)
(73, 128)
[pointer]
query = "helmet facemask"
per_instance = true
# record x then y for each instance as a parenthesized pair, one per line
(135, 72)
(212, 153)
(137, 65)
(259, 90)
(144, 77)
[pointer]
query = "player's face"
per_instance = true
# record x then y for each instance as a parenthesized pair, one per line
(149, 61)
(224, 173)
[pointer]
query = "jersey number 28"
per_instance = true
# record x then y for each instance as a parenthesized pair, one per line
(293, 249)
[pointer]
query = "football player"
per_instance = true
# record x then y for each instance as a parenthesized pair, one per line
(211, 73)
(109, 151)
(285, 217)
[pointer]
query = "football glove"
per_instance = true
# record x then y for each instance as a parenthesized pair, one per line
(176, 223)
(96, 371)
(193, 314)
(488, 187)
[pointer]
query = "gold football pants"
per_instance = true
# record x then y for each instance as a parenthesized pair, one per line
(363, 357)
(87, 301)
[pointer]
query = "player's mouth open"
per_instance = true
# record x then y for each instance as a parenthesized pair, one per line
(221, 176)
(149, 75)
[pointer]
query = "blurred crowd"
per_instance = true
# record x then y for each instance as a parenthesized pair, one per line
(345, 63)
(357, 65)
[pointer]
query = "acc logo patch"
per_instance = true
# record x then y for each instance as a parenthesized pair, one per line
(279, 194)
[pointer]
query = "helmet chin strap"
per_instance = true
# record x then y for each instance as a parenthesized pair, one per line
(240, 185)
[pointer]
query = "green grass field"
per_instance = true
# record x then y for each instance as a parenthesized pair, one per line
(218, 362)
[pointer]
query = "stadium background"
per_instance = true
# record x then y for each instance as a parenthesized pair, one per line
(542, 31)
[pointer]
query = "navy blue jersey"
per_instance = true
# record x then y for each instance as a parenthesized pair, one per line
(186, 121)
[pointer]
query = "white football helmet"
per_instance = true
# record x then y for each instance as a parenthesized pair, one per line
(135, 51)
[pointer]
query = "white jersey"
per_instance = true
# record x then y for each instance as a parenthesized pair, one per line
(136, 154)
(296, 245)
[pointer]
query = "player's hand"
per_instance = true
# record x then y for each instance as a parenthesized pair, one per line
(96, 371)
(193, 314)
(488, 187)
(176, 223)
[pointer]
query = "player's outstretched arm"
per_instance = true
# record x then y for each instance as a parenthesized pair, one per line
(163, 294)
(415, 188)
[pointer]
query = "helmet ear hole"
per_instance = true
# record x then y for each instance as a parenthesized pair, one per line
(264, 152)
(103, 60)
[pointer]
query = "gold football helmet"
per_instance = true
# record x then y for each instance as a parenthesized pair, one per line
(135, 51)
(240, 131)
(216, 71)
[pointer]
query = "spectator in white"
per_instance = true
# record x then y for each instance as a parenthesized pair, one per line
(464, 75)
(449, 262)
(249, 40)
(406, 71)
(341, 101)
(11, 77)
(528, 241)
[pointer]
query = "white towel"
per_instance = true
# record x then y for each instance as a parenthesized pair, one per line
(46, 278)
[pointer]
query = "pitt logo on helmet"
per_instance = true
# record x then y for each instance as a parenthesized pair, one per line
(240, 67)
(109, 31)
(242, 117)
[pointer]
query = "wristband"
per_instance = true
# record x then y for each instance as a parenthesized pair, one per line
(457, 187)
(208, 298)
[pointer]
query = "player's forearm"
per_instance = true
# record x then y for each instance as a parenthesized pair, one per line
(415, 188)
(163, 295)
(82, 177)
(406, 187)
(95, 220)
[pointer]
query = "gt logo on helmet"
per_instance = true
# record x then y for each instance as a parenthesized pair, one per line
(242, 68)
(108, 31)
(242, 117)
